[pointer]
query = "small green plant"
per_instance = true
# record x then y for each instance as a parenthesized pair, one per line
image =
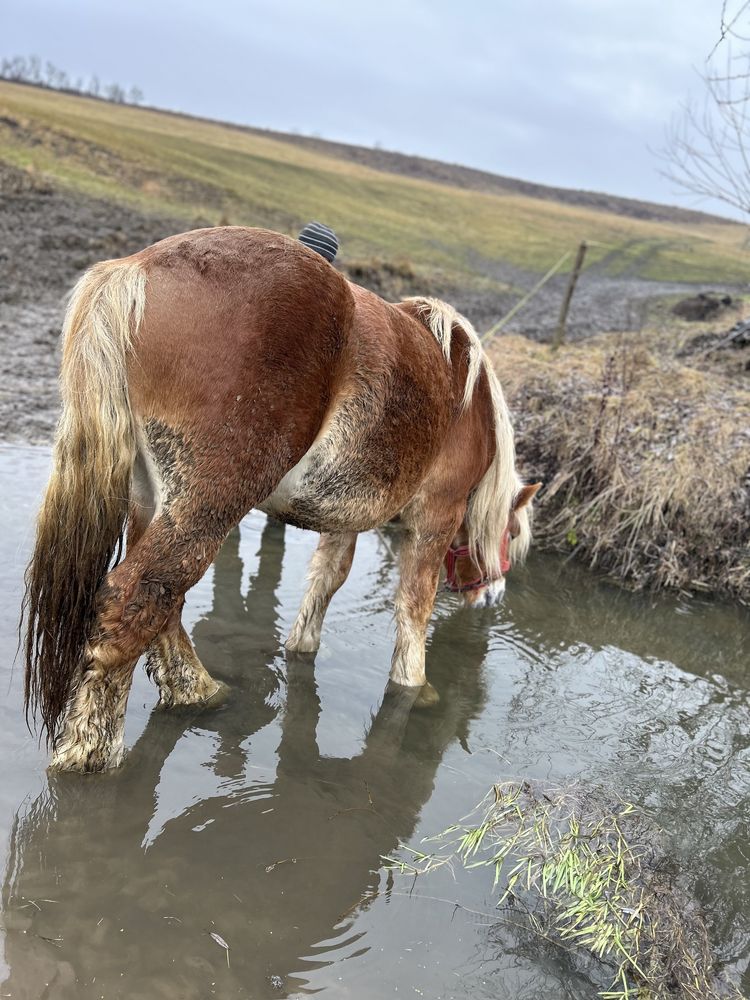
(587, 876)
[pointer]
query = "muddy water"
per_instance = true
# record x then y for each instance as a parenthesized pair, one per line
(265, 820)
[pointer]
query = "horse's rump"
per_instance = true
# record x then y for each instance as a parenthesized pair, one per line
(248, 337)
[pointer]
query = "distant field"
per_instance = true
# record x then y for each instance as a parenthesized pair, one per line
(206, 172)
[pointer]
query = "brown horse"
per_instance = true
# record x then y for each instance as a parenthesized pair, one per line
(233, 368)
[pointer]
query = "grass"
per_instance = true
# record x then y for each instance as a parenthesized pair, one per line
(194, 169)
(644, 450)
(589, 878)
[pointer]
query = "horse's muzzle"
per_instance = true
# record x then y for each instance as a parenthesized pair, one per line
(486, 596)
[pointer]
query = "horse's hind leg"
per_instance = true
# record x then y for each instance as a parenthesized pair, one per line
(91, 735)
(426, 541)
(173, 664)
(171, 660)
(137, 601)
(329, 569)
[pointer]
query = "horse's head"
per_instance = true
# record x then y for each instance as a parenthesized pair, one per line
(466, 572)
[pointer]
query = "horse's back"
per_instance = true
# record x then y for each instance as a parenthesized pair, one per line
(237, 304)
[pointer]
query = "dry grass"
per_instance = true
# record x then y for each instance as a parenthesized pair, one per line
(645, 458)
(589, 877)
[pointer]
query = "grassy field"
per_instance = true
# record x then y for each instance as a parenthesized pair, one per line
(203, 172)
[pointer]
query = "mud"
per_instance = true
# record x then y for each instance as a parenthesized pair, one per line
(47, 238)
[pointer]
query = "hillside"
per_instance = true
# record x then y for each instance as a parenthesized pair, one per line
(472, 179)
(459, 226)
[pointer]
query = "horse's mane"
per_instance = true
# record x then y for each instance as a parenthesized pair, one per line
(491, 503)
(440, 318)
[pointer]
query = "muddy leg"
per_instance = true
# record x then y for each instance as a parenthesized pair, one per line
(173, 665)
(91, 736)
(329, 569)
(137, 600)
(171, 660)
(422, 554)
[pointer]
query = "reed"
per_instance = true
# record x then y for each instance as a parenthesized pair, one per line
(590, 876)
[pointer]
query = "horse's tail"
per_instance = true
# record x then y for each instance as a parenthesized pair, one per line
(81, 521)
(491, 504)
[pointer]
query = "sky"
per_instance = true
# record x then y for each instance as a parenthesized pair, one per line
(573, 93)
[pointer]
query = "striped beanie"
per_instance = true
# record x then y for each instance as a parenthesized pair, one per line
(321, 239)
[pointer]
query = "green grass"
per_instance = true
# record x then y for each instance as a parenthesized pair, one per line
(192, 169)
(588, 878)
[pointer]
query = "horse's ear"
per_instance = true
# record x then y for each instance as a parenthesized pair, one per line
(525, 495)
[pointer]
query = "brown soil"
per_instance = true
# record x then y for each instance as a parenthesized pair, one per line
(47, 238)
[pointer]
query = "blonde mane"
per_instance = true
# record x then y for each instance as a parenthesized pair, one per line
(491, 503)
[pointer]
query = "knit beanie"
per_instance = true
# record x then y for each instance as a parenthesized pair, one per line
(321, 239)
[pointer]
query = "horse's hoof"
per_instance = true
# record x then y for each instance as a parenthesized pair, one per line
(217, 694)
(303, 646)
(212, 699)
(81, 759)
(427, 697)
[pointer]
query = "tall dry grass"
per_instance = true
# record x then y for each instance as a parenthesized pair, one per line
(645, 459)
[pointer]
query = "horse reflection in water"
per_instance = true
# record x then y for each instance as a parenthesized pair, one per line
(277, 868)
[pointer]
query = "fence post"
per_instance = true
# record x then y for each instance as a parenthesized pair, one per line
(522, 301)
(559, 336)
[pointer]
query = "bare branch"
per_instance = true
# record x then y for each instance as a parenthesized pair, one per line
(707, 144)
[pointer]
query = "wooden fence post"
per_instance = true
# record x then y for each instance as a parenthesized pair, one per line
(559, 336)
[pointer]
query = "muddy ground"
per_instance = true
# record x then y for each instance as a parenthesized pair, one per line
(48, 237)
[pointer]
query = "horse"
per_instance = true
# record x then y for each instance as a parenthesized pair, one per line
(233, 368)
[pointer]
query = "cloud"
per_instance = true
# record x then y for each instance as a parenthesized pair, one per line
(560, 91)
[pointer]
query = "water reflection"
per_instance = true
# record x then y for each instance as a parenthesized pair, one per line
(571, 677)
(565, 610)
(657, 694)
(111, 890)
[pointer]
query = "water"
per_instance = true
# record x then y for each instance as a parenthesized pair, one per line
(265, 820)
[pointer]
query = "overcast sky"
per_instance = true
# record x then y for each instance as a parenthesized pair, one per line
(566, 92)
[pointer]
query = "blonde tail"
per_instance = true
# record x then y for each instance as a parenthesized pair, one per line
(82, 517)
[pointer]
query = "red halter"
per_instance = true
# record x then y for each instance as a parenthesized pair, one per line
(459, 552)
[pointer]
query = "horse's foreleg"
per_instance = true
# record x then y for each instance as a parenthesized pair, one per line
(422, 554)
(329, 569)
